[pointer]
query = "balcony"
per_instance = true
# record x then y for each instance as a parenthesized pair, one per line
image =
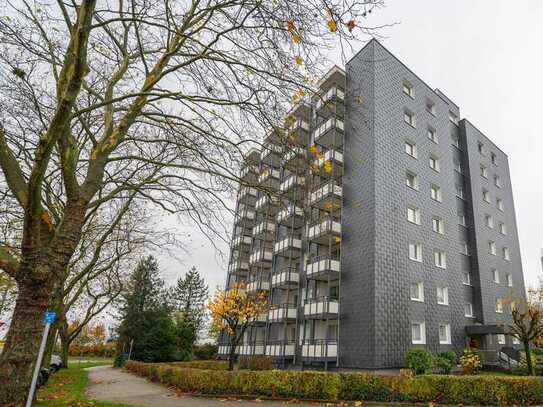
(247, 195)
(241, 241)
(271, 153)
(323, 268)
(288, 247)
(238, 266)
(287, 278)
(269, 177)
(334, 94)
(223, 351)
(292, 216)
(265, 230)
(282, 312)
(321, 307)
(293, 186)
(330, 133)
(281, 349)
(295, 157)
(248, 173)
(267, 204)
(319, 350)
(297, 132)
(327, 196)
(245, 214)
(325, 232)
(251, 348)
(331, 162)
(261, 319)
(261, 257)
(258, 284)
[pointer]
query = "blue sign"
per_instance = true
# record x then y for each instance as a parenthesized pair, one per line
(49, 317)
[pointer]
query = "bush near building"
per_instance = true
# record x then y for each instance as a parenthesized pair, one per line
(444, 389)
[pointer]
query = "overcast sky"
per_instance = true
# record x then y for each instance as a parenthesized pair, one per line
(486, 56)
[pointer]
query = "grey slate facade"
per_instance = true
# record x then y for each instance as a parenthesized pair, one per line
(395, 127)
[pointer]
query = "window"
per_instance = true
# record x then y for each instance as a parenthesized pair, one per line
(455, 140)
(417, 292)
(434, 163)
(411, 149)
(495, 276)
(459, 191)
(464, 248)
(462, 220)
(497, 181)
(430, 107)
(432, 134)
(438, 225)
(468, 310)
(499, 306)
(442, 295)
(492, 248)
(509, 280)
(502, 228)
(411, 180)
(457, 166)
(486, 195)
(481, 148)
(516, 341)
(466, 279)
(453, 117)
(409, 118)
(501, 339)
(444, 334)
(415, 251)
(435, 193)
(489, 221)
(505, 252)
(499, 204)
(493, 158)
(408, 89)
(440, 259)
(483, 171)
(418, 333)
(413, 215)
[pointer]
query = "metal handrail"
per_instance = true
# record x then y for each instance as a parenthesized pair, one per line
(321, 257)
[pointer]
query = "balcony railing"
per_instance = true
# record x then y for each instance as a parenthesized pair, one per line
(330, 133)
(282, 312)
(319, 349)
(323, 267)
(269, 177)
(321, 307)
(261, 319)
(245, 214)
(267, 203)
(262, 257)
(259, 284)
(330, 162)
(285, 216)
(286, 278)
(333, 93)
(238, 267)
(325, 231)
(251, 348)
(288, 247)
(271, 153)
(247, 194)
(264, 229)
(294, 184)
(248, 173)
(327, 196)
(295, 155)
(241, 240)
(281, 348)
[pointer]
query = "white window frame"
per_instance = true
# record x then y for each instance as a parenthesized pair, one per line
(464, 275)
(409, 118)
(489, 221)
(458, 166)
(420, 292)
(483, 171)
(445, 295)
(500, 338)
(499, 306)
(506, 254)
(509, 278)
(407, 89)
(413, 214)
(438, 225)
(432, 134)
(434, 163)
(422, 333)
(417, 247)
(497, 181)
(499, 204)
(502, 227)
(486, 196)
(460, 191)
(447, 339)
(411, 148)
(415, 178)
(430, 107)
(492, 248)
(493, 158)
(495, 276)
(464, 248)
(440, 259)
(435, 193)
(470, 314)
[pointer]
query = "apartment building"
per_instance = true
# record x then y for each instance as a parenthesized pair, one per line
(377, 221)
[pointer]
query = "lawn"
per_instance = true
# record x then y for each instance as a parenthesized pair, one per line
(67, 387)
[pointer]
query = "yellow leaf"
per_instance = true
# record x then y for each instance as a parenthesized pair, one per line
(351, 24)
(290, 26)
(327, 166)
(338, 239)
(332, 25)
(299, 60)
(296, 38)
(46, 218)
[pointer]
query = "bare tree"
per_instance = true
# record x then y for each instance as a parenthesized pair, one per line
(99, 99)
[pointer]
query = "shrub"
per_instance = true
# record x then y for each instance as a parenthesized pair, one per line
(202, 364)
(255, 362)
(205, 351)
(419, 360)
(472, 390)
(444, 362)
(470, 362)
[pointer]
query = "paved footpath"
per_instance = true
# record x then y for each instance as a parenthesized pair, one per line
(115, 385)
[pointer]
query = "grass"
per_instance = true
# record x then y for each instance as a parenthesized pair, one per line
(66, 388)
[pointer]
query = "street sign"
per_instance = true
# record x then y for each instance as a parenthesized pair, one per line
(49, 317)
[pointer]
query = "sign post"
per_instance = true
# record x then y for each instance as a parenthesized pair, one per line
(48, 319)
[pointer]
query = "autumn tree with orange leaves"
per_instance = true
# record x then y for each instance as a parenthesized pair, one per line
(232, 311)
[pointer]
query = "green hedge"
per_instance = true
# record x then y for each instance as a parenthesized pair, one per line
(480, 390)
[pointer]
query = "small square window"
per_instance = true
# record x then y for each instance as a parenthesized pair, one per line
(408, 89)
(438, 225)
(502, 228)
(440, 259)
(499, 306)
(466, 279)
(418, 333)
(434, 163)
(417, 292)
(444, 334)
(489, 221)
(413, 215)
(468, 310)
(411, 149)
(409, 118)
(415, 251)
(492, 248)
(493, 158)
(464, 248)
(501, 339)
(460, 191)
(455, 140)
(442, 295)
(430, 107)
(499, 204)
(496, 276)
(506, 255)
(411, 180)
(435, 193)
(509, 280)
(486, 195)
(432, 134)
(484, 171)
(481, 148)
(453, 117)
(462, 220)
(497, 181)
(457, 166)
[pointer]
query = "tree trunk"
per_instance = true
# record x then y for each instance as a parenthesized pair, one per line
(529, 364)
(232, 356)
(23, 341)
(64, 350)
